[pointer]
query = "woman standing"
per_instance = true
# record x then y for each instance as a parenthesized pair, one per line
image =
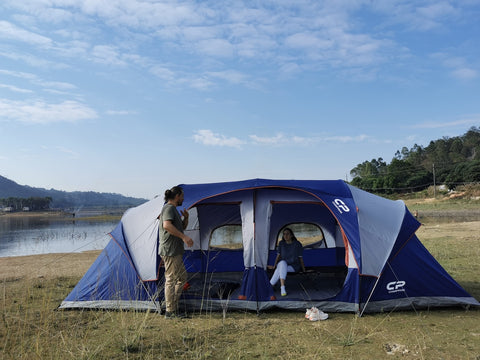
(289, 259)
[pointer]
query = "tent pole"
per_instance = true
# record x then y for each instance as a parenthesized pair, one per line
(256, 290)
(369, 297)
(254, 249)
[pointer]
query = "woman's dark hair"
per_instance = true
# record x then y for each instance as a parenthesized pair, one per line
(171, 193)
(291, 233)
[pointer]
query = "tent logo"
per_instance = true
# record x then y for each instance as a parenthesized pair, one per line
(341, 206)
(396, 286)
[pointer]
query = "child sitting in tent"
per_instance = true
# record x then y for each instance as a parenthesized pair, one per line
(289, 259)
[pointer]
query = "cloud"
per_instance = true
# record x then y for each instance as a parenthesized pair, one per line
(474, 120)
(15, 89)
(208, 39)
(52, 87)
(281, 139)
(347, 139)
(416, 15)
(10, 31)
(216, 48)
(208, 137)
(465, 73)
(40, 112)
(31, 60)
(308, 42)
(431, 16)
(34, 79)
(272, 140)
(108, 55)
(458, 65)
(231, 76)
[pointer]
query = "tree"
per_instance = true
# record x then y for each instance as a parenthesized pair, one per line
(33, 203)
(455, 161)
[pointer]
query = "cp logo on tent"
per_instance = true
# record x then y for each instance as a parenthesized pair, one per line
(395, 286)
(341, 206)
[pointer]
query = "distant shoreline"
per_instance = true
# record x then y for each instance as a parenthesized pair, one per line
(62, 215)
(45, 213)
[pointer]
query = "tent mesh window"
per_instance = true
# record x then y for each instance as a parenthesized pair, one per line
(227, 237)
(309, 235)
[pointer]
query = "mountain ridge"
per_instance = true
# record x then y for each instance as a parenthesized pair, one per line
(63, 199)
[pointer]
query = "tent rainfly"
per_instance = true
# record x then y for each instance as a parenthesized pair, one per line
(360, 251)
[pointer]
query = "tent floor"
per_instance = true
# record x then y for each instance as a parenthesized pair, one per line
(315, 284)
(312, 285)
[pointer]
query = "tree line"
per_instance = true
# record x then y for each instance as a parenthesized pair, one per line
(450, 161)
(32, 203)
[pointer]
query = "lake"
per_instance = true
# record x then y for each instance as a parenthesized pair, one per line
(31, 235)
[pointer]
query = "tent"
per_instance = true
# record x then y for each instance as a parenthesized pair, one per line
(360, 251)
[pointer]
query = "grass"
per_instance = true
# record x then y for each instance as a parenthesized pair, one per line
(32, 328)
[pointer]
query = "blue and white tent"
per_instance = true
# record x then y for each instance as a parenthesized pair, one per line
(360, 251)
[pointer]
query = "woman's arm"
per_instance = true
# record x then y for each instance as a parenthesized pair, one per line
(277, 259)
(302, 263)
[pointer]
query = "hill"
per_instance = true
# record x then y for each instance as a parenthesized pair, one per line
(63, 199)
(451, 161)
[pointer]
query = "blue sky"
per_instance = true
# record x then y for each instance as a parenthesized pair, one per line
(135, 96)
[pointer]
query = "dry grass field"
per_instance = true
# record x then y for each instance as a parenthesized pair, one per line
(31, 328)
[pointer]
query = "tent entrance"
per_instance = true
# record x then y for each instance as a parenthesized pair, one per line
(324, 277)
(323, 249)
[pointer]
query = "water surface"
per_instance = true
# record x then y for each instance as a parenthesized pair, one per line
(32, 235)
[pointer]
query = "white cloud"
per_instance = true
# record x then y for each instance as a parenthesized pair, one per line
(465, 73)
(208, 137)
(347, 139)
(470, 121)
(458, 65)
(431, 15)
(163, 72)
(40, 112)
(16, 89)
(216, 47)
(281, 139)
(232, 76)
(285, 37)
(12, 32)
(194, 82)
(308, 41)
(55, 87)
(108, 55)
(278, 139)
(32, 60)
(417, 15)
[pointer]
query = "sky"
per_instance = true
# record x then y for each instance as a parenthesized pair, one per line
(136, 96)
